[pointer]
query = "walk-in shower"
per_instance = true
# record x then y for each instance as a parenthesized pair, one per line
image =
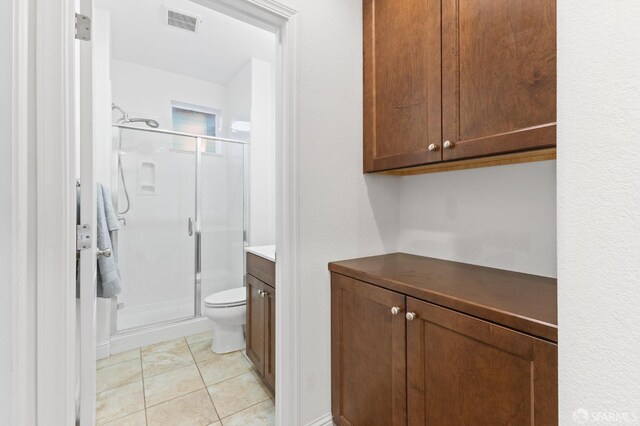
(183, 232)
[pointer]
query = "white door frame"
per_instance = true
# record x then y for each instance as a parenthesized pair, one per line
(56, 203)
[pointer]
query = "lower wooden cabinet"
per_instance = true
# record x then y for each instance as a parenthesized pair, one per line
(368, 359)
(397, 360)
(260, 326)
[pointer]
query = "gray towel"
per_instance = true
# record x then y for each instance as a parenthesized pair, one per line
(107, 222)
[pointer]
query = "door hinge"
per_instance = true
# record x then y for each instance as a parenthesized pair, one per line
(83, 27)
(83, 237)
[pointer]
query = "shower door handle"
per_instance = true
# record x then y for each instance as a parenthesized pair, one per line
(190, 227)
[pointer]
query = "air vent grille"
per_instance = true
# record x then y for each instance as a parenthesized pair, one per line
(180, 20)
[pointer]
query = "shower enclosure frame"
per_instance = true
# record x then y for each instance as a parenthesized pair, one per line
(197, 222)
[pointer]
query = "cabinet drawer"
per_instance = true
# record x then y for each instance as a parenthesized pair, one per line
(262, 269)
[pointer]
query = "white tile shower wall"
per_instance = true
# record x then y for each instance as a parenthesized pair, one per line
(502, 217)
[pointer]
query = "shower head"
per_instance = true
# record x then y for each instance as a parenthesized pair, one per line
(149, 122)
(126, 119)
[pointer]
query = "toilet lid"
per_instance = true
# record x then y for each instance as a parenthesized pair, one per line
(227, 298)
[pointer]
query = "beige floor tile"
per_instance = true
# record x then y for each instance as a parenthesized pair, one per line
(215, 424)
(164, 346)
(118, 375)
(218, 369)
(205, 335)
(194, 409)
(262, 414)
(155, 363)
(136, 419)
(166, 386)
(119, 402)
(236, 394)
(202, 350)
(118, 358)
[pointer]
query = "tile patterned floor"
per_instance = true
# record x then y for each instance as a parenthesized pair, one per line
(181, 382)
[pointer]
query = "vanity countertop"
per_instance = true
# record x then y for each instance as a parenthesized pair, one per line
(265, 252)
(527, 303)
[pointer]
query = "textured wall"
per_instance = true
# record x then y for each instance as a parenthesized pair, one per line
(6, 170)
(599, 211)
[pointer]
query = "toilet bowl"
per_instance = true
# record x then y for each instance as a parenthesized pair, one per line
(227, 310)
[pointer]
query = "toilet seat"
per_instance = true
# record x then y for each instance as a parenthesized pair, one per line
(227, 298)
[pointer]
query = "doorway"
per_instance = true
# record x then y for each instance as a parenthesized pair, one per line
(58, 55)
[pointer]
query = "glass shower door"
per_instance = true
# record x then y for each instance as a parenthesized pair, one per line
(156, 249)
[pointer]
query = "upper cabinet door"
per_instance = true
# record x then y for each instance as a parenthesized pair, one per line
(498, 76)
(402, 83)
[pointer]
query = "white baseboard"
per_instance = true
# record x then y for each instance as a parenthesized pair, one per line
(326, 420)
(103, 350)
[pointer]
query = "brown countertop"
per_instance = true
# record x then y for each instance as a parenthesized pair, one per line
(527, 303)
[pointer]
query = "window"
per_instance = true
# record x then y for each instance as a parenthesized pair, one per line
(195, 120)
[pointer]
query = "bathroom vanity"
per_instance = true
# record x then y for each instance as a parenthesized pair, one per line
(261, 311)
(416, 340)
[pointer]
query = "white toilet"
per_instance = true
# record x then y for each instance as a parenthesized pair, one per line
(227, 310)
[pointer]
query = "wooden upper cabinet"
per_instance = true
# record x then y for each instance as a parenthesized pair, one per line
(465, 371)
(479, 74)
(367, 355)
(498, 76)
(401, 83)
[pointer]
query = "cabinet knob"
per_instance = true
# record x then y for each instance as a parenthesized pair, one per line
(395, 310)
(411, 316)
(263, 293)
(433, 147)
(259, 292)
(447, 145)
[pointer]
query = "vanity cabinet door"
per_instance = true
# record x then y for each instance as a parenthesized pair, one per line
(465, 371)
(270, 337)
(498, 76)
(255, 325)
(368, 354)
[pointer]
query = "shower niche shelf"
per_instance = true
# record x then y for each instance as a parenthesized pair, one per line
(147, 178)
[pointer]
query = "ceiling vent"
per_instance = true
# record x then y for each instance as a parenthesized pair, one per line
(182, 20)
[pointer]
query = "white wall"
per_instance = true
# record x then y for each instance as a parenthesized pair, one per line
(343, 214)
(599, 210)
(251, 99)
(502, 217)
(147, 92)
(6, 213)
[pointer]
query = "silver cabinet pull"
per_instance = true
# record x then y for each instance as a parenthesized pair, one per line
(395, 310)
(104, 253)
(433, 147)
(411, 316)
(190, 227)
(447, 145)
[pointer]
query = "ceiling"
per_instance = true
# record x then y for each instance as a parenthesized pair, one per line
(217, 50)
